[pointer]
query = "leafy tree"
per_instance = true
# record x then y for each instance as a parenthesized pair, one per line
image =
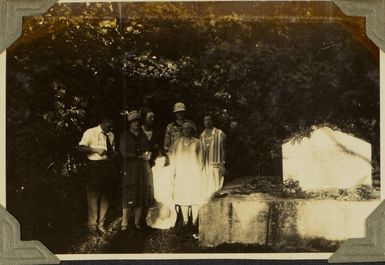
(274, 78)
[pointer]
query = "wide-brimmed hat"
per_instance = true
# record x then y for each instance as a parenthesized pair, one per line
(133, 115)
(161, 217)
(179, 106)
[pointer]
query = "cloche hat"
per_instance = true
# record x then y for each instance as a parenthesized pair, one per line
(179, 106)
(188, 124)
(133, 115)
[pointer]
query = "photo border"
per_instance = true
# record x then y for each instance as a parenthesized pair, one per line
(11, 13)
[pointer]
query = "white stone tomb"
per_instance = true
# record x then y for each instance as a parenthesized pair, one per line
(327, 159)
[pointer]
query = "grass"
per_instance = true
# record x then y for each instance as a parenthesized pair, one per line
(60, 224)
(179, 239)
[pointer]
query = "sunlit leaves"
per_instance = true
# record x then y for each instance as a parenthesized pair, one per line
(149, 66)
(67, 110)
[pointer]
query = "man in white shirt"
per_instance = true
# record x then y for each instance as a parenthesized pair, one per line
(98, 144)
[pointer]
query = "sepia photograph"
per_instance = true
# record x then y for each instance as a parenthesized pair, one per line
(192, 127)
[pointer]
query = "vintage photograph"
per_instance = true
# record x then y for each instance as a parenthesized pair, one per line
(192, 127)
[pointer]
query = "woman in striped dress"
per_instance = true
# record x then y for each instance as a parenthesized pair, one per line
(213, 140)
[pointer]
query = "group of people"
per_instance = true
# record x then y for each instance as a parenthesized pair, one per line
(158, 180)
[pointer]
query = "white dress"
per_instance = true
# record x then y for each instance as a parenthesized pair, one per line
(163, 182)
(162, 215)
(188, 161)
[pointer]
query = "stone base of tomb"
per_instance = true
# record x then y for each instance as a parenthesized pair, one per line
(258, 218)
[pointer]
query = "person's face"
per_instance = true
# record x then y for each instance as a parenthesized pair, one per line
(150, 118)
(187, 131)
(106, 126)
(135, 124)
(208, 122)
(180, 115)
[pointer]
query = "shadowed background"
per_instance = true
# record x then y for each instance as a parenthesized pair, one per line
(269, 71)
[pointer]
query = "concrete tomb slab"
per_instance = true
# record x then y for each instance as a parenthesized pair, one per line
(327, 159)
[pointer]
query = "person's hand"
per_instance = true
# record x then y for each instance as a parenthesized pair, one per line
(100, 151)
(147, 156)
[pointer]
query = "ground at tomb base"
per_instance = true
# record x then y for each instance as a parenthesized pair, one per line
(178, 240)
(67, 234)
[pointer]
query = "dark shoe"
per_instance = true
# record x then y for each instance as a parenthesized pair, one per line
(137, 227)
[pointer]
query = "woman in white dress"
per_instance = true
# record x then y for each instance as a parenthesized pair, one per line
(187, 160)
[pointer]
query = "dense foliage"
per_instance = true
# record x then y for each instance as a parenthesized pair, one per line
(267, 81)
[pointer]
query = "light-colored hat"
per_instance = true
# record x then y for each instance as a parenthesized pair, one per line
(161, 217)
(133, 115)
(188, 124)
(179, 106)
